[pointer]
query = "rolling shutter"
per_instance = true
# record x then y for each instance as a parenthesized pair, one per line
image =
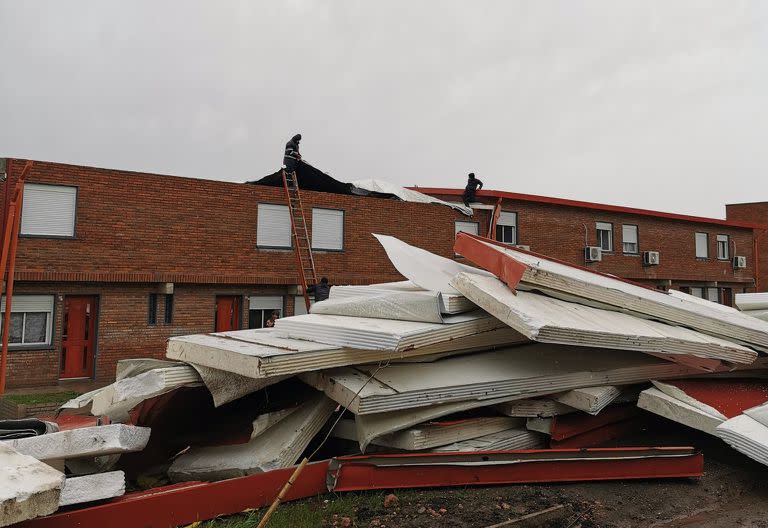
(466, 227)
(327, 229)
(48, 210)
(273, 227)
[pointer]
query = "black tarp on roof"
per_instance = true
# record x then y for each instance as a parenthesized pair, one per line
(313, 179)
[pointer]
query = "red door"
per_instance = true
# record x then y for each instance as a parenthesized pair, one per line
(78, 337)
(227, 313)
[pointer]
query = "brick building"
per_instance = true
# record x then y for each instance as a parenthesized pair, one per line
(111, 263)
(754, 212)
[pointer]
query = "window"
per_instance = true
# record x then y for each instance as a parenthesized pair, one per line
(48, 210)
(260, 309)
(629, 239)
(697, 292)
(31, 318)
(168, 315)
(466, 227)
(702, 245)
(152, 309)
(506, 228)
(273, 229)
(722, 247)
(713, 294)
(327, 229)
(299, 307)
(605, 236)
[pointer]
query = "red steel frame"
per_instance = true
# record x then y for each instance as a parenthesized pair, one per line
(12, 224)
(195, 501)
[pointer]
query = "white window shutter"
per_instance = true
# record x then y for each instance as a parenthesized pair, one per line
(48, 210)
(273, 227)
(327, 229)
(702, 249)
(265, 302)
(507, 219)
(29, 303)
(466, 227)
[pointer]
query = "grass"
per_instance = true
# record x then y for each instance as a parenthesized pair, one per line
(309, 513)
(31, 399)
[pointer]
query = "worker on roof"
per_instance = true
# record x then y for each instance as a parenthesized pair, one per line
(473, 184)
(292, 156)
(322, 291)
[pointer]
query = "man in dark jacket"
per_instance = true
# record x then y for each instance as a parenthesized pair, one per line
(473, 184)
(321, 291)
(292, 156)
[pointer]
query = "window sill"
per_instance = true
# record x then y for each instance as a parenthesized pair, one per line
(703, 259)
(631, 254)
(54, 237)
(320, 250)
(274, 248)
(29, 348)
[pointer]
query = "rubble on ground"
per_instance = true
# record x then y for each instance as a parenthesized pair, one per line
(508, 365)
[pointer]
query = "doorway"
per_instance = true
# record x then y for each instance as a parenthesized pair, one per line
(78, 337)
(227, 313)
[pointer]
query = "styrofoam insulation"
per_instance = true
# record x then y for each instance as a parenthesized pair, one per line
(657, 402)
(277, 447)
(419, 306)
(752, 301)
(532, 408)
(591, 400)
(28, 488)
(450, 303)
(746, 435)
(503, 440)
(228, 386)
(83, 442)
(89, 488)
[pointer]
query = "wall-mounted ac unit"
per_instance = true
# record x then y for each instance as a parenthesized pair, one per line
(739, 262)
(650, 258)
(523, 247)
(593, 254)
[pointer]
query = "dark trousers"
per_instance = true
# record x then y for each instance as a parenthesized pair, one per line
(290, 164)
(469, 196)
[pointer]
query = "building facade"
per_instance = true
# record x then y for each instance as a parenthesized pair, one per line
(112, 263)
(756, 212)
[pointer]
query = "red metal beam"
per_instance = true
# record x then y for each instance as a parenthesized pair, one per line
(574, 424)
(196, 501)
(186, 503)
(511, 467)
(8, 257)
(506, 268)
(602, 435)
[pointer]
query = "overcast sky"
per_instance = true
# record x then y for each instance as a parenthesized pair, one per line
(661, 105)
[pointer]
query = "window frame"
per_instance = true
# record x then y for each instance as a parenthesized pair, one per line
(290, 227)
(610, 239)
(513, 226)
(696, 245)
(727, 247)
(264, 308)
(49, 344)
(343, 230)
(152, 309)
(637, 240)
(73, 236)
(168, 309)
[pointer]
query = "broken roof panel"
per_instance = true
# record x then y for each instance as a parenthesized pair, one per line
(450, 303)
(263, 354)
(557, 278)
(519, 372)
(550, 320)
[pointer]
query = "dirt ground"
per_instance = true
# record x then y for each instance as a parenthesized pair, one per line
(732, 493)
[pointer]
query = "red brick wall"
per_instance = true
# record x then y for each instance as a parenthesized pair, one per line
(123, 331)
(559, 231)
(758, 213)
(146, 228)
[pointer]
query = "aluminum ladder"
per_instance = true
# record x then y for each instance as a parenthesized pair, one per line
(301, 243)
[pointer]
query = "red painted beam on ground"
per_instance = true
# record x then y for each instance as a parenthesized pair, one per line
(512, 467)
(189, 502)
(602, 435)
(569, 425)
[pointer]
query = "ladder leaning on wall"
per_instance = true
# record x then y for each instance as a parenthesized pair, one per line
(301, 243)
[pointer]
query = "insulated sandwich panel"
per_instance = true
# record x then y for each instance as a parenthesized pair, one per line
(550, 320)
(515, 373)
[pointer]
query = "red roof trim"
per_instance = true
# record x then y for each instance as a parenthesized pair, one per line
(590, 205)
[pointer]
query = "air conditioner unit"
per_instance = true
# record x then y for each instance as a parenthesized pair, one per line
(739, 262)
(650, 258)
(523, 247)
(593, 254)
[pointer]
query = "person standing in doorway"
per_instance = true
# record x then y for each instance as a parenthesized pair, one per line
(473, 184)
(292, 156)
(272, 318)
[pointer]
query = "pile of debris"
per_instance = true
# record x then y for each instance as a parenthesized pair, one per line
(512, 371)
